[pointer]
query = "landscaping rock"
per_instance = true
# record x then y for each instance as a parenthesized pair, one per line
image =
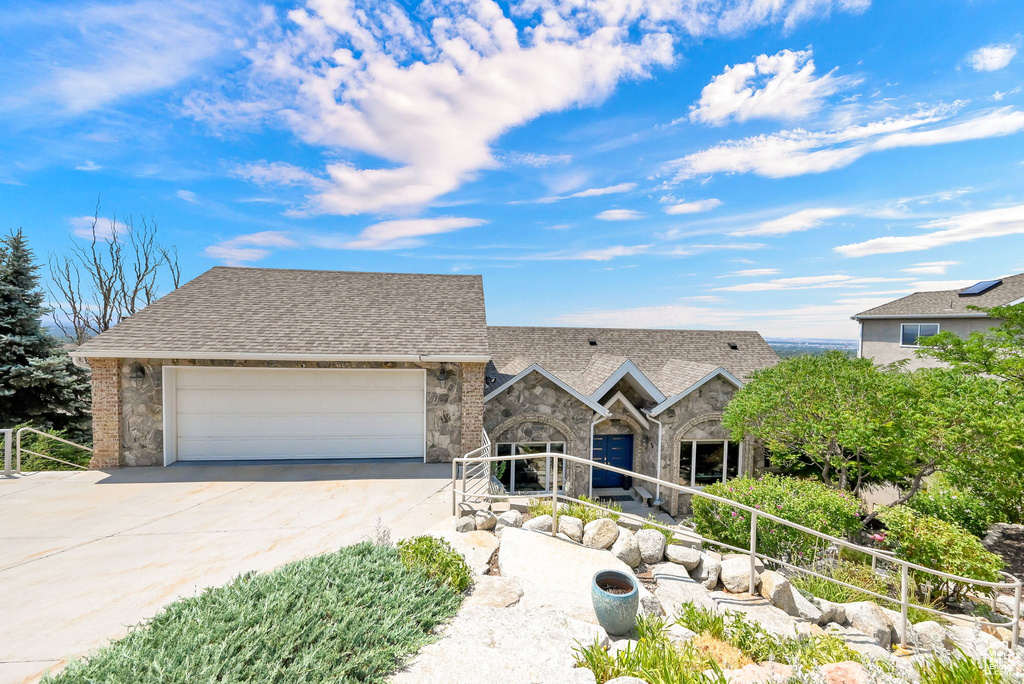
(476, 546)
(1004, 605)
(679, 634)
(571, 527)
(485, 520)
(735, 574)
(846, 672)
(894, 618)
(492, 591)
(512, 518)
(465, 524)
(684, 555)
(652, 546)
(869, 619)
(760, 673)
(676, 588)
(542, 523)
(978, 644)
(830, 612)
(708, 570)
(933, 636)
(758, 564)
(650, 605)
(860, 642)
(600, 533)
(623, 645)
(759, 610)
(804, 608)
(626, 680)
(779, 591)
(626, 549)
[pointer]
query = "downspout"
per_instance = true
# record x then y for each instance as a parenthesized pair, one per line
(658, 501)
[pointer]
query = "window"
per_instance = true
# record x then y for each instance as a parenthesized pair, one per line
(530, 474)
(910, 333)
(707, 462)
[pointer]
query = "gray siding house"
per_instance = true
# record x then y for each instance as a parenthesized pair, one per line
(245, 364)
(890, 332)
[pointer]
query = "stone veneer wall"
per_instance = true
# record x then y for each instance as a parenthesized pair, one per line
(106, 413)
(472, 406)
(450, 423)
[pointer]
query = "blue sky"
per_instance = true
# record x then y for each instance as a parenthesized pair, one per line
(776, 165)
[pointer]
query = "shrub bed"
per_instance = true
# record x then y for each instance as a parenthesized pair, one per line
(968, 510)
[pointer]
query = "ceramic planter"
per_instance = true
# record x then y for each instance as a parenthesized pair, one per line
(616, 612)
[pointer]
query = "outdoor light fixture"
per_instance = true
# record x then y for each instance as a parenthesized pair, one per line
(137, 374)
(441, 375)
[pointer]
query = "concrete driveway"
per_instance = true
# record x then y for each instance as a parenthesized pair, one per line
(85, 555)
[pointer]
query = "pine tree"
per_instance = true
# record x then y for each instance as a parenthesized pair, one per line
(39, 384)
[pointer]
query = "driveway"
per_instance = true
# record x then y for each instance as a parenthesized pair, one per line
(85, 555)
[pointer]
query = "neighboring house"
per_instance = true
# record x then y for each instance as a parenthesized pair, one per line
(245, 364)
(890, 332)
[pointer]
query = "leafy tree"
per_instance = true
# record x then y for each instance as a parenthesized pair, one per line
(997, 352)
(38, 382)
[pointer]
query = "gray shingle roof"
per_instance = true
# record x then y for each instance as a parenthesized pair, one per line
(254, 311)
(672, 359)
(948, 302)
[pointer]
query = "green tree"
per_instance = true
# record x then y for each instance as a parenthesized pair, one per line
(38, 382)
(997, 352)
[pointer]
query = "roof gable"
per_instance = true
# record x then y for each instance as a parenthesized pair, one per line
(717, 373)
(635, 377)
(562, 385)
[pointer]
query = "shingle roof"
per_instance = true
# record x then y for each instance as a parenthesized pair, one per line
(948, 302)
(672, 359)
(253, 311)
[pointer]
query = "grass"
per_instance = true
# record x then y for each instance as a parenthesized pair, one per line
(345, 617)
(539, 507)
(437, 559)
(962, 669)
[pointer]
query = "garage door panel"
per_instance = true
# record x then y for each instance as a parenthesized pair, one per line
(249, 413)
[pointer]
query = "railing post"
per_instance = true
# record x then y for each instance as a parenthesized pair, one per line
(462, 493)
(904, 603)
(455, 478)
(8, 434)
(753, 553)
(554, 496)
(1016, 614)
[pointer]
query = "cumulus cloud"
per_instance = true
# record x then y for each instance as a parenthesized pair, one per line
(694, 207)
(805, 219)
(797, 151)
(619, 215)
(991, 57)
(930, 267)
(779, 86)
(420, 98)
(83, 226)
(948, 231)
(401, 233)
(187, 196)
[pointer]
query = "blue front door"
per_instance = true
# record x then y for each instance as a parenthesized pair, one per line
(613, 450)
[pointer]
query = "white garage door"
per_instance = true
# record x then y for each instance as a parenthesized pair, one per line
(274, 413)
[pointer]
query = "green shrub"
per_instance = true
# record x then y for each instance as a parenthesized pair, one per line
(50, 447)
(539, 507)
(804, 502)
(962, 669)
(934, 543)
(968, 510)
(437, 559)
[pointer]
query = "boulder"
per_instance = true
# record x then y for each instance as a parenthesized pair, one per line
(1004, 605)
(895, 619)
(779, 591)
(675, 587)
(846, 672)
(758, 564)
(542, 523)
(626, 549)
(623, 645)
(760, 673)
(679, 634)
(933, 637)
(707, 571)
(571, 527)
(684, 555)
(650, 605)
(860, 642)
(512, 518)
(652, 546)
(869, 619)
(485, 520)
(600, 533)
(492, 591)
(475, 546)
(830, 612)
(626, 680)
(735, 574)
(465, 524)
(759, 610)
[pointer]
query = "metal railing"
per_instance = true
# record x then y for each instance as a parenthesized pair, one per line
(8, 434)
(20, 449)
(756, 515)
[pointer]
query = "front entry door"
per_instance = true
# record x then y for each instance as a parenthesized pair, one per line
(613, 450)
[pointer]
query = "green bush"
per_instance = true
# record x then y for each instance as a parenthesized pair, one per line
(804, 502)
(968, 510)
(962, 669)
(50, 447)
(934, 543)
(437, 559)
(539, 507)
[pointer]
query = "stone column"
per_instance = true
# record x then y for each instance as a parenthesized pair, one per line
(472, 406)
(106, 413)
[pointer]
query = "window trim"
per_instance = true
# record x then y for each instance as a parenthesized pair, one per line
(740, 453)
(512, 464)
(938, 329)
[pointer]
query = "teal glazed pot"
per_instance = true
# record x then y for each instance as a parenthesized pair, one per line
(615, 612)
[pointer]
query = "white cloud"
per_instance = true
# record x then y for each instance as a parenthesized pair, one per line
(244, 249)
(779, 86)
(589, 192)
(934, 285)
(948, 231)
(619, 215)
(805, 219)
(751, 272)
(88, 165)
(399, 233)
(609, 253)
(991, 57)
(691, 250)
(230, 255)
(277, 173)
(695, 207)
(82, 226)
(536, 160)
(930, 267)
(187, 196)
(796, 152)
(427, 93)
(809, 283)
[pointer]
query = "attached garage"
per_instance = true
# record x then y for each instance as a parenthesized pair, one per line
(225, 414)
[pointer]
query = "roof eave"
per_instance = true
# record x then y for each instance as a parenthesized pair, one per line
(869, 317)
(272, 356)
(629, 368)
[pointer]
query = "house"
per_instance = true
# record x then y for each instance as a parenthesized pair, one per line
(245, 364)
(890, 332)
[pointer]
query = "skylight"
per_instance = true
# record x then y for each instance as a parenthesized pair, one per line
(980, 288)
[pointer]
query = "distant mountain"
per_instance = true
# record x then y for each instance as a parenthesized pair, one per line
(795, 346)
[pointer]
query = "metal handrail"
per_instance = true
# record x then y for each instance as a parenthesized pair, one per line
(756, 514)
(8, 434)
(21, 449)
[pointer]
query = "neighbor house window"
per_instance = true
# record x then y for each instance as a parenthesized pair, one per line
(706, 462)
(529, 474)
(910, 333)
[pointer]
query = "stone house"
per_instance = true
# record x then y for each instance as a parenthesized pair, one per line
(244, 364)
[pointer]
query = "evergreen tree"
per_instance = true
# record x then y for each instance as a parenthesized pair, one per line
(39, 384)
